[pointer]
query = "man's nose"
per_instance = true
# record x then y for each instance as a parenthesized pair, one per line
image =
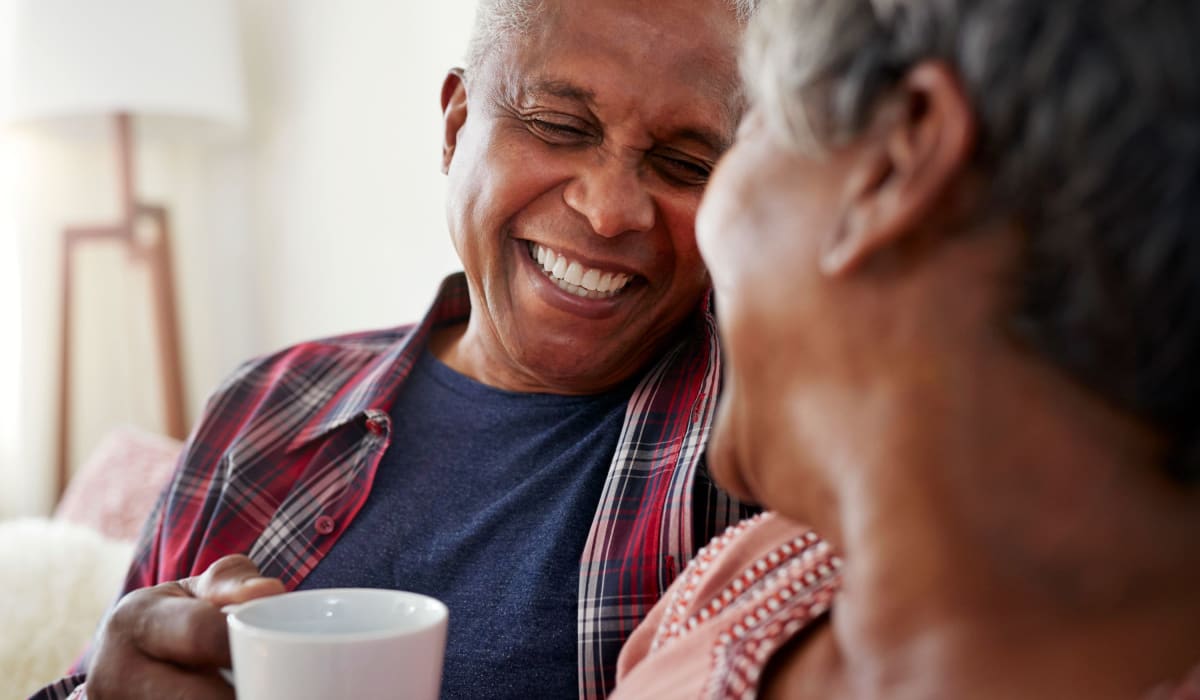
(613, 198)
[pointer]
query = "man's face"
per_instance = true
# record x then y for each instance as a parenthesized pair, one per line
(576, 157)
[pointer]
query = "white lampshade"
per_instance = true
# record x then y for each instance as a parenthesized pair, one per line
(157, 58)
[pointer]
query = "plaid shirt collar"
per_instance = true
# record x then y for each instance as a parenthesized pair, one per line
(376, 384)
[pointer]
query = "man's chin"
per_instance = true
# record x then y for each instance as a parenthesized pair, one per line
(565, 371)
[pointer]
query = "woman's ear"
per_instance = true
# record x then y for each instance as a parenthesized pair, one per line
(918, 145)
(454, 113)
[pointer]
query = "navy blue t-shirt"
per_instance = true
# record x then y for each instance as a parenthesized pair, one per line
(484, 500)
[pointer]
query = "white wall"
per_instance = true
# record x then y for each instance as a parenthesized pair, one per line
(348, 141)
(325, 217)
(10, 287)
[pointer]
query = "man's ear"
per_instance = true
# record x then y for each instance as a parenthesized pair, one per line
(912, 155)
(454, 113)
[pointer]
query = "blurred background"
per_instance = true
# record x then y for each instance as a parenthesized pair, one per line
(310, 206)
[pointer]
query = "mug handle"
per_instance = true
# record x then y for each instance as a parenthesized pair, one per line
(227, 673)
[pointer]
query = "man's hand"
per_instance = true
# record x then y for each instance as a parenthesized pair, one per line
(167, 641)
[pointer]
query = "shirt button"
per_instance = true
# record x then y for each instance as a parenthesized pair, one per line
(375, 426)
(325, 525)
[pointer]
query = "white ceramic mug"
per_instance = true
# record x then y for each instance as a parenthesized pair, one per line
(338, 643)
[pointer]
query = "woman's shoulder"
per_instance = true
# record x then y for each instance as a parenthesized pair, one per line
(754, 566)
(745, 594)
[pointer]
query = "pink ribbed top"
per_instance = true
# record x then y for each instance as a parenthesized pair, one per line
(743, 596)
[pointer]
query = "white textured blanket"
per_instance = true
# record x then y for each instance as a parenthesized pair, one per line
(56, 582)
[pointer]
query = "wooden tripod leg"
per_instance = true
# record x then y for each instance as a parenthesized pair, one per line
(162, 288)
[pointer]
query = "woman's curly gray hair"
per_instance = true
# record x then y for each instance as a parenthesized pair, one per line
(1089, 135)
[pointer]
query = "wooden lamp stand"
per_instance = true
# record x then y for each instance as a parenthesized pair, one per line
(155, 253)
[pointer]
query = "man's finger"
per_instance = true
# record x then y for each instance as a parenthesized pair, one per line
(231, 579)
(154, 681)
(177, 629)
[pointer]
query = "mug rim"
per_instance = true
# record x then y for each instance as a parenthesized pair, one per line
(234, 620)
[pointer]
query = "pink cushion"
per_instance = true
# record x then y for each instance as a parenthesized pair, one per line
(114, 490)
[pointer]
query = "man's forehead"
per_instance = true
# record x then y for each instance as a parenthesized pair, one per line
(665, 60)
(674, 39)
(671, 39)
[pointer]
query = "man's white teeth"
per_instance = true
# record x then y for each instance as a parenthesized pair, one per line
(574, 273)
(573, 277)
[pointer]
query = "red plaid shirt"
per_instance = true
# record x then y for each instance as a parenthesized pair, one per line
(285, 454)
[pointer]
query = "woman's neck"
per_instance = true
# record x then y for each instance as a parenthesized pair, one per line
(1021, 547)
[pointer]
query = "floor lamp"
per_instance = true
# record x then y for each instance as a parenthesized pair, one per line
(174, 63)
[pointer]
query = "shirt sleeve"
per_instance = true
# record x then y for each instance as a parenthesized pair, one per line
(69, 688)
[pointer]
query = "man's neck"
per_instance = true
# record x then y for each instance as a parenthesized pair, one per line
(1008, 551)
(476, 351)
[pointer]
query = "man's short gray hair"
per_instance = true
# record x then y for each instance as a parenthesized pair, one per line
(1089, 138)
(498, 20)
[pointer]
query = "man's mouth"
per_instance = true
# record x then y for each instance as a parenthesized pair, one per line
(575, 278)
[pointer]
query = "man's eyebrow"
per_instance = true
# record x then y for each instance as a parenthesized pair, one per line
(561, 89)
(714, 140)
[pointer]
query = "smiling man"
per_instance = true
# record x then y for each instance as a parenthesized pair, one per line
(531, 452)
(577, 154)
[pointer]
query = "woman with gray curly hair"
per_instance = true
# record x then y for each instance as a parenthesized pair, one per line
(956, 256)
